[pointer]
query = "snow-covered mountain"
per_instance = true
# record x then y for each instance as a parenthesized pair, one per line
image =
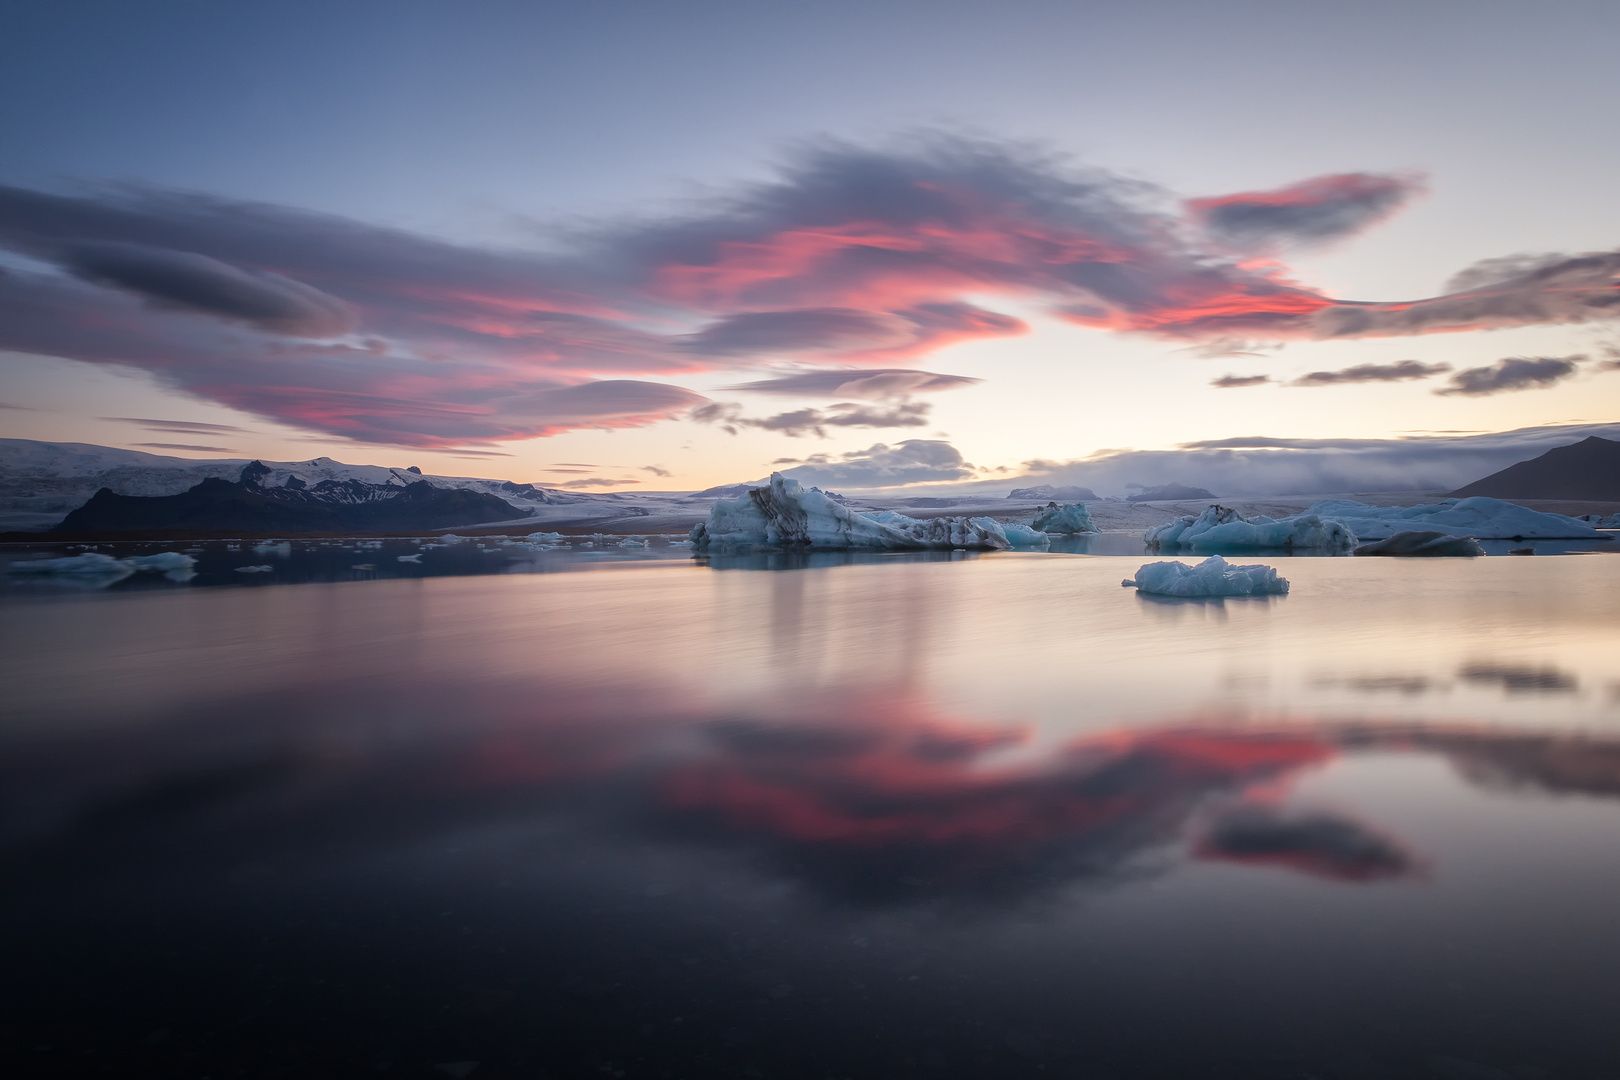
(40, 482)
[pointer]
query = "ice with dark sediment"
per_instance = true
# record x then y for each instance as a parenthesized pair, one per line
(1480, 517)
(1067, 519)
(1421, 543)
(1221, 528)
(1214, 577)
(784, 514)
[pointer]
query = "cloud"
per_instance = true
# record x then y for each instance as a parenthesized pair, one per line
(856, 383)
(1264, 465)
(1514, 373)
(1517, 677)
(1311, 842)
(178, 427)
(656, 470)
(186, 446)
(194, 282)
(730, 418)
(594, 482)
(846, 255)
(1228, 382)
(913, 461)
(1314, 211)
(1399, 371)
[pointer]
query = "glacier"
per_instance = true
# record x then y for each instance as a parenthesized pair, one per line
(1480, 517)
(1419, 542)
(1069, 518)
(1212, 577)
(1220, 528)
(785, 514)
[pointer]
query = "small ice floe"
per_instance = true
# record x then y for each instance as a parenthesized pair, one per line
(1420, 542)
(545, 538)
(411, 558)
(1068, 519)
(1212, 577)
(632, 542)
(451, 538)
(264, 568)
(1220, 528)
(364, 566)
(281, 548)
(174, 565)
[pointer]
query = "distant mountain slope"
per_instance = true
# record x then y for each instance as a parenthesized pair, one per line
(1589, 469)
(216, 505)
(41, 481)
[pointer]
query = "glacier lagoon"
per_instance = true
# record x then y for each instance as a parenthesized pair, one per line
(869, 816)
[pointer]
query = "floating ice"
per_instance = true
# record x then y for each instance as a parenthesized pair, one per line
(1212, 577)
(1222, 529)
(1480, 517)
(545, 538)
(1070, 518)
(1598, 521)
(784, 514)
(632, 542)
(264, 568)
(1024, 536)
(172, 564)
(281, 549)
(1417, 542)
(410, 558)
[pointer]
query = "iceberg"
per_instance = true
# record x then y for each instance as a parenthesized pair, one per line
(1418, 542)
(1598, 521)
(784, 514)
(93, 565)
(1070, 518)
(1024, 537)
(1212, 577)
(1220, 528)
(1480, 517)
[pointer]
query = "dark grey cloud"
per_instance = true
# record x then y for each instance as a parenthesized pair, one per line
(810, 329)
(656, 470)
(913, 461)
(1520, 677)
(194, 282)
(1311, 212)
(1514, 373)
(729, 417)
(1400, 371)
(856, 383)
(186, 446)
(178, 427)
(1230, 382)
(1313, 842)
(1264, 465)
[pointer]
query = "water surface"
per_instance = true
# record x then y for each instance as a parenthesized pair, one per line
(893, 816)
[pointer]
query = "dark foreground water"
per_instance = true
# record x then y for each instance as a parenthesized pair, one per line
(900, 818)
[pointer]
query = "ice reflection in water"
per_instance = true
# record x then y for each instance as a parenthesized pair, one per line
(902, 816)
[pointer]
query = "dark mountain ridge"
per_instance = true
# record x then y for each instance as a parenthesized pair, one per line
(329, 506)
(1586, 470)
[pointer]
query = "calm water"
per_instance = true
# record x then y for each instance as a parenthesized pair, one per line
(898, 817)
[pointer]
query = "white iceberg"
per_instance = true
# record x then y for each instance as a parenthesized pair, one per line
(1212, 577)
(784, 514)
(93, 565)
(1480, 517)
(1421, 543)
(1222, 529)
(1070, 518)
(545, 538)
(1598, 521)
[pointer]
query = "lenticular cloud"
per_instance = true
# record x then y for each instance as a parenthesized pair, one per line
(851, 257)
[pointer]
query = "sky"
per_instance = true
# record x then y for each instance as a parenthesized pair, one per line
(668, 245)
